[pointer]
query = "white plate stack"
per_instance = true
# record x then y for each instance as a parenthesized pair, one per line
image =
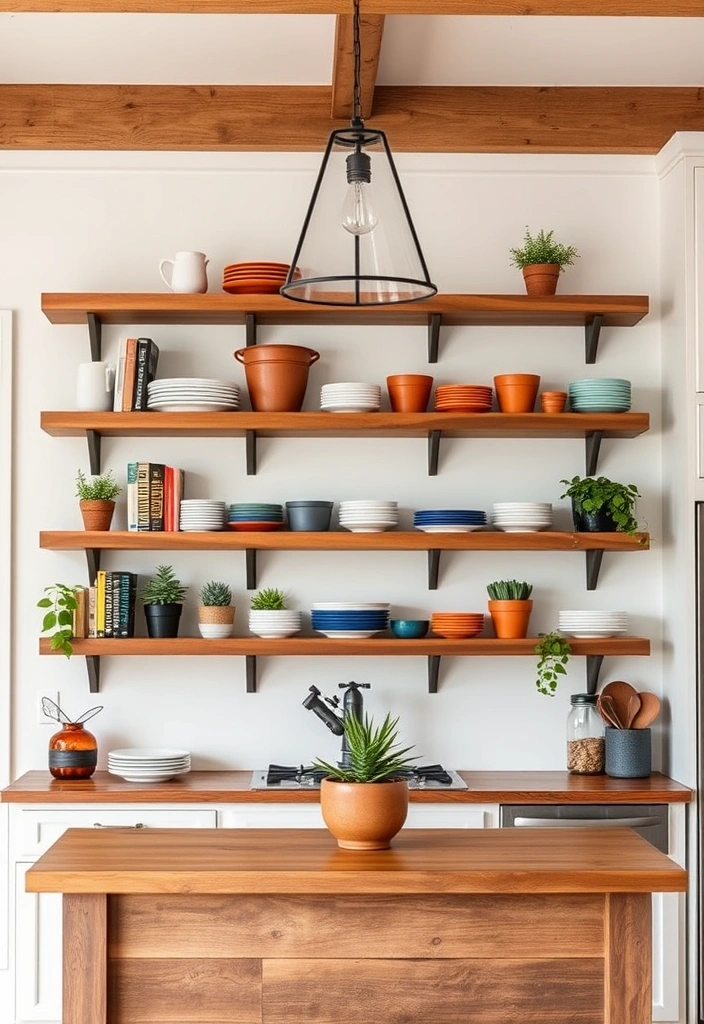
(275, 624)
(149, 764)
(586, 625)
(522, 516)
(193, 394)
(368, 516)
(197, 514)
(350, 397)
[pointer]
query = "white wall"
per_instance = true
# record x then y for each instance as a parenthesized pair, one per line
(102, 222)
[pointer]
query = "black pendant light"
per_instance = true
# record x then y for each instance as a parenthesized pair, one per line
(358, 245)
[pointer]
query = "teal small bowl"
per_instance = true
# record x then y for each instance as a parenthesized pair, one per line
(409, 629)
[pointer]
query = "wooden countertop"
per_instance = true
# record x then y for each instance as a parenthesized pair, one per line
(303, 861)
(233, 787)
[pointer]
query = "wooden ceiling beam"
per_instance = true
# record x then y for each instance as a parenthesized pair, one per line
(617, 8)
(371, 30)
(416, 119)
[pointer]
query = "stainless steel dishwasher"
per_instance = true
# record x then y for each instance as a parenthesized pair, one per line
(648, 820)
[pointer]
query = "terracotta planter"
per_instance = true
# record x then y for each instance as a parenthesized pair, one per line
(541, 278)
(409, 392)
(516, 392)
(364, 815)
(510, 618)
(277, 375)
(97, 515)
(216, 614)
(553, 401)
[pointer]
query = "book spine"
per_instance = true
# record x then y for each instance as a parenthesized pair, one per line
(92, 630)
(80, 625)
(130, 373)
(132, 602)
(108, 604)
(169, 498)
(178, 494)
(100, 603)
(132, 496)
(124, 604)
(142, 496)
(119, 377)
(147, 358)
(156, 496)
(116, 583)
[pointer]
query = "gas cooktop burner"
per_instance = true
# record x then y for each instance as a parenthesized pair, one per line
(431, 776)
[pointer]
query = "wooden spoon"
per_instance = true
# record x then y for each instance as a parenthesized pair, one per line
(620, 693)
(605, 707)
(633, 709)
(649, 710)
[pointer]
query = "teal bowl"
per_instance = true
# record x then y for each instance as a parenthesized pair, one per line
(409, 629)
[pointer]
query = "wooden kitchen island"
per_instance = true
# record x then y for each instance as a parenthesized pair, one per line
(277, 926)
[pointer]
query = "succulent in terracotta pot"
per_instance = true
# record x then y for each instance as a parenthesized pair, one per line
(510, 607)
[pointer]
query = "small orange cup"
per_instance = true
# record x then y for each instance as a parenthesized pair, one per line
(553, 401)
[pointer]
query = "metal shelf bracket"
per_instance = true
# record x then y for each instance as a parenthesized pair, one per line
(433, 569)
(251, 666)
(93, 438)
(251, 568)
(433, 672)
(434, 322)
(95, 333)
(93, 666)
(250, 437)
(433, 451)
(593, 669)
(250, 329)
(593, 566)
(592, 330)
(592, 446)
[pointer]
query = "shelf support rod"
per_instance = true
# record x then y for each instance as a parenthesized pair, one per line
(250, 437)
(593, 566)
(250, 329)
(434, 321)
(433, 568)
(93, 666)
(592, 329)
(93, 560)
(433, 672)
(251, 564)
(93, 439)
(593, 669)
(592, 446)
(251, 665)
(433, 451)
(95, 333)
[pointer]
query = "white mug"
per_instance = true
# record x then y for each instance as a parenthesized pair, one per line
(187, 272)
(94, 387)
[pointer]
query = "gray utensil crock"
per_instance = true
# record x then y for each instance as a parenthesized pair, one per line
(309, 516)
(627, 753)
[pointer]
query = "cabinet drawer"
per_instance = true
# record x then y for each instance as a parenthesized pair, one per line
(38, 829)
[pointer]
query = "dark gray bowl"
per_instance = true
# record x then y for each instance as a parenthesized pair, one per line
(309, 516)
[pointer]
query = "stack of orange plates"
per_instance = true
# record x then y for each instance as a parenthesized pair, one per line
(463, 398)
(241, 278)
(457, 625)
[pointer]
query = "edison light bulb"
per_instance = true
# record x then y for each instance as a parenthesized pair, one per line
(358, 214)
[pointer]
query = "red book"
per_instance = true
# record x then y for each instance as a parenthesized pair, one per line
(169, 499)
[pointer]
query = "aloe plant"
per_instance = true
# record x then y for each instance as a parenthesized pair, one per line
(374, 752)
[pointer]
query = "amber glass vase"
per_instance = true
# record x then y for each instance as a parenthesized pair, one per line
(73, 752)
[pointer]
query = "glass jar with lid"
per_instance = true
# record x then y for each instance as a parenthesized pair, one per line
(585, 736)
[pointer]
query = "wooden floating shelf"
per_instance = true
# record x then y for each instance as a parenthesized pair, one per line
(432, 648)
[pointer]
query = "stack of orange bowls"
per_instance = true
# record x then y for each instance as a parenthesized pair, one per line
(244, 278)
(463, 398)
(457, 625)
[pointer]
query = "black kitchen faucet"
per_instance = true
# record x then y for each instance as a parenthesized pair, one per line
(326, 710)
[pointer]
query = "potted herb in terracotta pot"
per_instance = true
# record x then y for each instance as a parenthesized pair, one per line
(97, 499)
(600, 505)
(510, 607)
(162, 597)
(216, 612)
(542, 260)
(365, 803)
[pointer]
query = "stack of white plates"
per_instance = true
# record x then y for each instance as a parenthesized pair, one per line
(522, 516)
(275, 624)
(600, 394)
(368, 516)
(193, 394)
(350, 397)
(584, 624)
(148, 764)
(197, 514)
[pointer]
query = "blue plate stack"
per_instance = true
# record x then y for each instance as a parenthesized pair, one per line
(349, 620)
(449, 520)
(251, 515)
(600, 394)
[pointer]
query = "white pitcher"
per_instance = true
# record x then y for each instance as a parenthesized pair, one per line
(188, 272)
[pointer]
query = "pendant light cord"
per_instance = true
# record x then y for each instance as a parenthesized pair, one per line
(357, 52)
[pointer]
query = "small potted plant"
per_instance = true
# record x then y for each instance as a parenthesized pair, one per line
(542, 260)
(365, 802)
(162, 597)
(60, 604)
(97, 499)
(216, 612)
(270, 617)
(510, 607)
(553, 654)
(600, 505)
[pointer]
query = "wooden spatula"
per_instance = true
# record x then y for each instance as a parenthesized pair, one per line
(620, 693)
(648, 712)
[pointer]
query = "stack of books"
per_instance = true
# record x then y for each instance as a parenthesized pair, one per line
(107, 608)
(136, 368)
(154, 493)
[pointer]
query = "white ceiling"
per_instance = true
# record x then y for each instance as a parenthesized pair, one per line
(298, 49)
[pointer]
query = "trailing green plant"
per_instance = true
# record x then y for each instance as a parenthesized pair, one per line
(542, 249)
(163, 588)
(268, 599)
(553, 654)
(61, 602)
(98, 488)
(215, 594)
(509, 590)
(374, 752)
(599, 494)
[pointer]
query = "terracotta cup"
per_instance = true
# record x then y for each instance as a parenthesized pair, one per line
(409, 392)
(277, 375)
(516, 392)
(553, 401)
(541, 278)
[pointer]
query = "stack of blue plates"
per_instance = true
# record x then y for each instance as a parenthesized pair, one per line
(349, 620)
(251, 515)
(449, 520)
(600, 394)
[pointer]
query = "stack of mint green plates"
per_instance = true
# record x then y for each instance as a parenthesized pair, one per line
(600, 394)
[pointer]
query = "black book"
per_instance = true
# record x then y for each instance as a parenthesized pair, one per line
(109, 576)
(156, 495)
(147, 360)
(128, 598)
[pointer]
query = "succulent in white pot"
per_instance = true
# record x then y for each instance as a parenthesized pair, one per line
(270, 618)
(216, 612)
